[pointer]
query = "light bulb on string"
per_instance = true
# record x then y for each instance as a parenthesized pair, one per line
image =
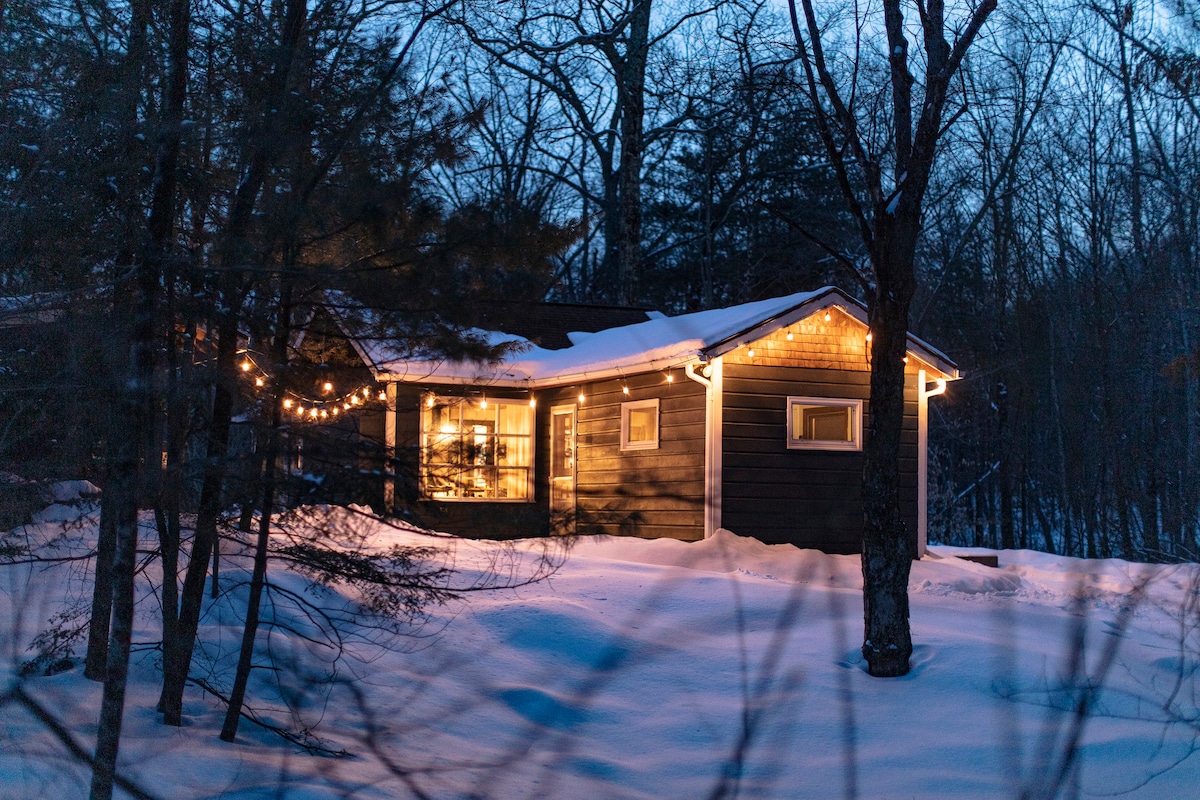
(670, 377)
(828, 316)
(259, 382)
(327, 387)
(790, 336)
(288, 403)
(750, 352)
(383, 397)
(246, 366)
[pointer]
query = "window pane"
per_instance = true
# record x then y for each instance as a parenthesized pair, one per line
(643, 424)
(512, 484)
(515, 418)
(514, 451)
(823, 423)
(561, 458)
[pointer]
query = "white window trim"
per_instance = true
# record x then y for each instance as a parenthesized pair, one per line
(856, 406)
(632, 405)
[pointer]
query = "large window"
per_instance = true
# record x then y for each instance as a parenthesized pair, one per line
(639, 425)
(818, 423)
(474, 449)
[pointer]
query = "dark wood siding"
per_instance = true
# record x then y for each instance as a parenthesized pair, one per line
(648, 493)
(810, 498)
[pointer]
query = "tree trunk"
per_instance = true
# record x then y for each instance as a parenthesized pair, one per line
(631, 91)
(237, 696)
(888, 549)
(95, 663)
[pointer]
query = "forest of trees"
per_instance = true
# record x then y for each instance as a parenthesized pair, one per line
(257, 154)
(184, 182)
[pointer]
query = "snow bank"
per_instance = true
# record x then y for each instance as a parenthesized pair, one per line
(650, 669)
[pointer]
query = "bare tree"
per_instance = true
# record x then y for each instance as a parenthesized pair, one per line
(883, 146)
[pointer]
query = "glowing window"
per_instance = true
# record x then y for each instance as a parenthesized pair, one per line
(639, 425)
(818, 423)
(475, 450)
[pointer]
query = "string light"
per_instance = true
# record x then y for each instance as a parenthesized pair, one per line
(790, 336)
(327, 387)
(828, 316)
(383, 397)
(259, 382)
(750, 352)
(624, 389)
(582, 397)
(246, 366)
(483, 403)
(532, 402)
(287, 403)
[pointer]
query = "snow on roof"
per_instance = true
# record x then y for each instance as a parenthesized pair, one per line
(653, 344)
(658, 343)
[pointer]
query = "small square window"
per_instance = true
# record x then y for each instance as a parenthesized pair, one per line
(818, 423)
(639, 425)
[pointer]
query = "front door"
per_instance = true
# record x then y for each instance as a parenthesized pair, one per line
(562, 469)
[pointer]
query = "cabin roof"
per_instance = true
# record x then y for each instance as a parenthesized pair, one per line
(657, 343)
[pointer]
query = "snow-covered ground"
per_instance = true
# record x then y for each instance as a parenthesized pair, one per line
(653, 669)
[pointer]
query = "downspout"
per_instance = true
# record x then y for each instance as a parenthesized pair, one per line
(389, 441)
(923, 395)
(710, 377)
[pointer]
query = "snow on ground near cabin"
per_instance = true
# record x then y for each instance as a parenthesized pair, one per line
(634, 671)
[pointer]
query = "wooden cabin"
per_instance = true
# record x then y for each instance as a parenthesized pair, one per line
(750, 418)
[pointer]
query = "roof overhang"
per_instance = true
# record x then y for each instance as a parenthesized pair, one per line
(940, 366)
